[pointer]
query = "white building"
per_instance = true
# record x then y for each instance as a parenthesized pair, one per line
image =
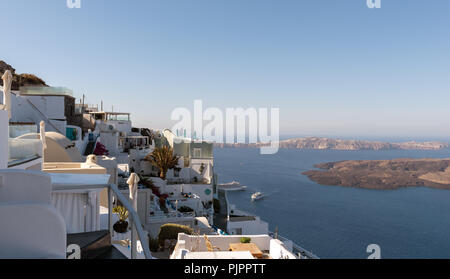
(240, 222)
(47, 207)
(114, 130)
(220, 247)
(36, 104)
(237, 222)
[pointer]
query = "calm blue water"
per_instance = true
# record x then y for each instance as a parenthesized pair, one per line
(339, 222)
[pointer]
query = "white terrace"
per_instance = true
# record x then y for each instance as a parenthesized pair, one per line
(195, 247)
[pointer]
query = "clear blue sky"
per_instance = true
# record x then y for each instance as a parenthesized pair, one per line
(334, 68)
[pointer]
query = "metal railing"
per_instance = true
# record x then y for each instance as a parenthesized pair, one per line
(22, 150)
(296, 249)
(133, 216)
(160, 217)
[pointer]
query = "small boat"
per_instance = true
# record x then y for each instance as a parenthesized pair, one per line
(232, 186)
(257, 196)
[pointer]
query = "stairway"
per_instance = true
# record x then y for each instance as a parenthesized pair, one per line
(44, 117)
(223, 200)
(89, 148)
(95, 245)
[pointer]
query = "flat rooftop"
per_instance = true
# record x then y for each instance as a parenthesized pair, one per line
(112, 113)
(242, 218)
(245, 255)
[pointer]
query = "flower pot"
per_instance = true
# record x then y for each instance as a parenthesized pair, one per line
(120, 226)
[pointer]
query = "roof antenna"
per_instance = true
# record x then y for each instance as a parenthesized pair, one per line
(276, 232)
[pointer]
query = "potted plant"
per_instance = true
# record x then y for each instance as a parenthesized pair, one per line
(121, 226)
(246, 240)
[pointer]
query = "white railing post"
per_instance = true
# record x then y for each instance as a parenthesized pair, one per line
(136, 221)
(110, 209)
(133, 239)
(133, 185)
(7, 82)
(4, 136)
(43, 139)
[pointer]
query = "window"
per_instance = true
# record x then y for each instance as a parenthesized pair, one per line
(237, 231)
(197, 152)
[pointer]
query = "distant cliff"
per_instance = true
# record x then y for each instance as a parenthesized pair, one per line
(384, 174)
(19, 79)
(340, 144)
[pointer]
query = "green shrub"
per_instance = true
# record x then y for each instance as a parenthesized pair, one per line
(171, 231)
(246, 240)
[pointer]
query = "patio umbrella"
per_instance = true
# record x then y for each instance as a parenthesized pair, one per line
(7, 80)
(208, 172)
(43, 140)
(133, 186)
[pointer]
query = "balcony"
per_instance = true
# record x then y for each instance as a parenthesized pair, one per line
(23, 150)
(172, 216)
(73, 167)
(223, 247)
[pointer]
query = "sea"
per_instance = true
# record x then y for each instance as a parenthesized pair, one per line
(339, 222)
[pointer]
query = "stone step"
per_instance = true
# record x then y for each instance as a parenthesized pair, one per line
(92, 244)
(112, 254)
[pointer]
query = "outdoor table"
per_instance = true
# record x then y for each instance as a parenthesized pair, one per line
(251, 247)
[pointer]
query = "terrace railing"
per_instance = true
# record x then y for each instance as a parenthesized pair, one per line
(23, 150)
(133, 215)
(160, 217)
(296, 249)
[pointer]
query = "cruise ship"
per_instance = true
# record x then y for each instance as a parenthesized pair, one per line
(78, 182)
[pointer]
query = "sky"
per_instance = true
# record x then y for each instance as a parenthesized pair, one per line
(333, 68)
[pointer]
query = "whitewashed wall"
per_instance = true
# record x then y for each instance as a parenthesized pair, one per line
(223, 241)
(111, 141)
(276, 248)
(279, 251)
(256, 226)
(122, 126)
(51, 106)
(195, 166)
(23, 239)
(4, 123)
(20, 130)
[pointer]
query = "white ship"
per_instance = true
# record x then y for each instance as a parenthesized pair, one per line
(257, 196)
(232, 186)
